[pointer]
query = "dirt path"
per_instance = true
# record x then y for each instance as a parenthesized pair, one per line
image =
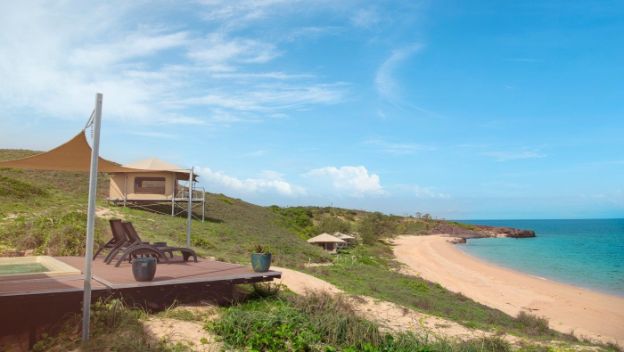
(387, 314)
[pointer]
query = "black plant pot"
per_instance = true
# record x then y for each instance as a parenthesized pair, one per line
(144, 268)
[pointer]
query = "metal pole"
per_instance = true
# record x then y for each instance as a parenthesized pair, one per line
(95, 150)
(175, 183)
(189, 211)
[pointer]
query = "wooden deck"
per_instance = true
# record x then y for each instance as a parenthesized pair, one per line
(37, 299)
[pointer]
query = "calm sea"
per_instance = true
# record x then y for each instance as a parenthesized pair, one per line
(586, 253)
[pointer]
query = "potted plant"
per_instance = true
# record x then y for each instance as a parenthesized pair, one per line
(144, 268)
(261, 259)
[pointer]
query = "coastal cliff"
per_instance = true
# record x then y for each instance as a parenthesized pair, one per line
(465, 231)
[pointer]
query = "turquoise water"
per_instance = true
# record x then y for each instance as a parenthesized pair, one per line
(586, 253)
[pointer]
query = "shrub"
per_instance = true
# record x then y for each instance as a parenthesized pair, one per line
(331, 223)
(533, 325)
(57, 233)
(10, 187)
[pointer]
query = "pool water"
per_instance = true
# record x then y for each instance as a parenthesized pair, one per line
(22, 268)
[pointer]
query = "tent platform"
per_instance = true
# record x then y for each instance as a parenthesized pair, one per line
(28, 303)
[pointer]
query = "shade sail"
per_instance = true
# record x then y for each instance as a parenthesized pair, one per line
(74, 155)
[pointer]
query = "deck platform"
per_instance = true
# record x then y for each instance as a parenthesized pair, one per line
(40, 299)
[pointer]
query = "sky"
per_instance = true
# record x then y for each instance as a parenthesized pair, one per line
(460, 109)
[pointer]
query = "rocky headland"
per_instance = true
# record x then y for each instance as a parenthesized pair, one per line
(464, 231)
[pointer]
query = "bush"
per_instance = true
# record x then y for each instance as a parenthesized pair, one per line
(270, 324)
(58, 233)
(533, 325)
(10, 187)
(331, 224)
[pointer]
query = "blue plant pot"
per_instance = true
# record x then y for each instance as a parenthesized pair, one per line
(144, 268)
(261, 262)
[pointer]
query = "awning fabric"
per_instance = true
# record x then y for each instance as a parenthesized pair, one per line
(74, 155)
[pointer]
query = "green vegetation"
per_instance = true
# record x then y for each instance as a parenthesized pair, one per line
(114, 327)
(321, 322)
(369, 270)
(44, 212)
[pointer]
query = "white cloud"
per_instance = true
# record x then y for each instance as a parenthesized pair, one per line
(514, 155)
(267, 182)
(354, 180)
(57, 55)
(385, 80)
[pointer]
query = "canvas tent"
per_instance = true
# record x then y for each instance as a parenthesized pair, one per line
(327, 241)
(152, 182)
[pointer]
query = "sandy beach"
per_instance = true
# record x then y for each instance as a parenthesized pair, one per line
(568, 308)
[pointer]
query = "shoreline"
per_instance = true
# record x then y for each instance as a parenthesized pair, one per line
(537, 276)
(570, 309)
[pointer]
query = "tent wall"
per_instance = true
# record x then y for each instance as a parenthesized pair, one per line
(122, 186)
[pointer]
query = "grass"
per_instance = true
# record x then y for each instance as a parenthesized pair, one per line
(114, 327)
(369, 270)
(321, 322)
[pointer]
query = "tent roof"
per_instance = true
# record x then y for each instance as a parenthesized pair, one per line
(325, 238)
(343, 236)
(155, 164)
(73, 155)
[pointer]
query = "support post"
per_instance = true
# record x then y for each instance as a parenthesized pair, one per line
(175, 183)
(189, 212)
(125, 190)
(203, 206)
(93, 173)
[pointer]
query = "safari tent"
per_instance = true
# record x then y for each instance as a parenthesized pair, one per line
(152, 181)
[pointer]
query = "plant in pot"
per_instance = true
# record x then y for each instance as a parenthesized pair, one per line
(261, 259)
(144, 268)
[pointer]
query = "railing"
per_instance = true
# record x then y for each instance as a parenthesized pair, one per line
(198, 193)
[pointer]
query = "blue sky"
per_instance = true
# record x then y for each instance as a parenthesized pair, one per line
(463, 109)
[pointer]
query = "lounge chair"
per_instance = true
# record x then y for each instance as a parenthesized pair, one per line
(129, 247)
(117, 241)
(134, 237)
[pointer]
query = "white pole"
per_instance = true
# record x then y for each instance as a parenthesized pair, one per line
(95, 150)
(189, 210)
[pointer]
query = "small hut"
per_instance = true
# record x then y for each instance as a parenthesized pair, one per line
(350, 240)
(327, 241)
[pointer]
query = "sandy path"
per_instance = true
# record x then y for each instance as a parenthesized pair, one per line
(568, 308)
(390, 316)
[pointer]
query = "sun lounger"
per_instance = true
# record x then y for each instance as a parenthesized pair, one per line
(134, 236)
(118, 239)
(128, 247)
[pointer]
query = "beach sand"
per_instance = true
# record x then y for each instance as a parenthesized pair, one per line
(586, 313)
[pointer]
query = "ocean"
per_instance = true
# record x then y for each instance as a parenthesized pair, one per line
(584, 253)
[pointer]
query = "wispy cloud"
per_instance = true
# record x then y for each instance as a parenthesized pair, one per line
(351, 180)
(385, 78)
(365, 18)
(153, 134)
(399, 148)
(421, 191)
(157, 72)
(503, 156)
